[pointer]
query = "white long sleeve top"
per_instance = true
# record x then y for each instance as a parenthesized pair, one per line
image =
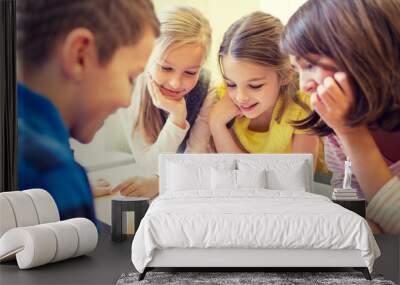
(384, 207)
(170, 137)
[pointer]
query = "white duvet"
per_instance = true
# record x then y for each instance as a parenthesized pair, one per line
(250, 218)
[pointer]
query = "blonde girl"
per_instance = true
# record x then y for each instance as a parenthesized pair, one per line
(172, 99)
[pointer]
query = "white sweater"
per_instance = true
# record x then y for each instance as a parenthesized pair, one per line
(170, 137)
(384, 207)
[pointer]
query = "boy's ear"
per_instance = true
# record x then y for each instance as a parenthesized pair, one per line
(78, 52)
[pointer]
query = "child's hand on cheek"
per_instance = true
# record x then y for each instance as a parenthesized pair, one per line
(175, 108)
(333, 100)
(224, 111)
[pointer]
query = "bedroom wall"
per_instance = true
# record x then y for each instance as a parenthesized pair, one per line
(389, 262)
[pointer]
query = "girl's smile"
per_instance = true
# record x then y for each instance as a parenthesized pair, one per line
(246, 108)
(175, 94)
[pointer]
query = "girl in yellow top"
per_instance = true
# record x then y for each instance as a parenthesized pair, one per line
(262, 93)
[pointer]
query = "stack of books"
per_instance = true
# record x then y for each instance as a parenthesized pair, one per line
(345, 194)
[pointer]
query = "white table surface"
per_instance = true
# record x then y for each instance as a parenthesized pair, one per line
(114, 176)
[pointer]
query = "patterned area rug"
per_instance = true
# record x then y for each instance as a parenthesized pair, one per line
(230, 278)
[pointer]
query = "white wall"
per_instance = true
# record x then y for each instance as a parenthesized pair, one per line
(282, 9)
(222, 13)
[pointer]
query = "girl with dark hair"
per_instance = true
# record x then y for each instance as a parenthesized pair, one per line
(347, 53)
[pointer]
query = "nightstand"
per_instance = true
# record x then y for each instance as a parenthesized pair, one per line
(357, 206)
(120, 205)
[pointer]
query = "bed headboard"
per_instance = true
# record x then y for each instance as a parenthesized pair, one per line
(213, 158)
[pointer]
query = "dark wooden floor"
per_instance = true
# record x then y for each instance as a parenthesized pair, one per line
(110, 259)
(102, 266)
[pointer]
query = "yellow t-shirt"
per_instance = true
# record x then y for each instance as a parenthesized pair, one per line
(279, 137)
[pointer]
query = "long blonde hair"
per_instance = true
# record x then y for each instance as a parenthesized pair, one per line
(179, 26)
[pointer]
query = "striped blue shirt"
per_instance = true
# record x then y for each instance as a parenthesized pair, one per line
(45, 158)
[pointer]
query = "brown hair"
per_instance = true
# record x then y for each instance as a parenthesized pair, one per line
(256, 38)
(41, 23)
(180, 25)
(363, 38)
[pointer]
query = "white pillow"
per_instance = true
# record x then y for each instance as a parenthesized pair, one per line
(223, 179)
(183, 174)
(291, 180)
(181, 177)
(283, 174)
(251, 178)
(228, 179)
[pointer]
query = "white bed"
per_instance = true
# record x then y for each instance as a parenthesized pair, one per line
(203, 221)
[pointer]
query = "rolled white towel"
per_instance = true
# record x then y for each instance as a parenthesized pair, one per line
(33, 246)
(87, 235)
(7, 217)
(45, 205)
(26, 208)
(40, 244)
(23, 208)
(67, 240)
